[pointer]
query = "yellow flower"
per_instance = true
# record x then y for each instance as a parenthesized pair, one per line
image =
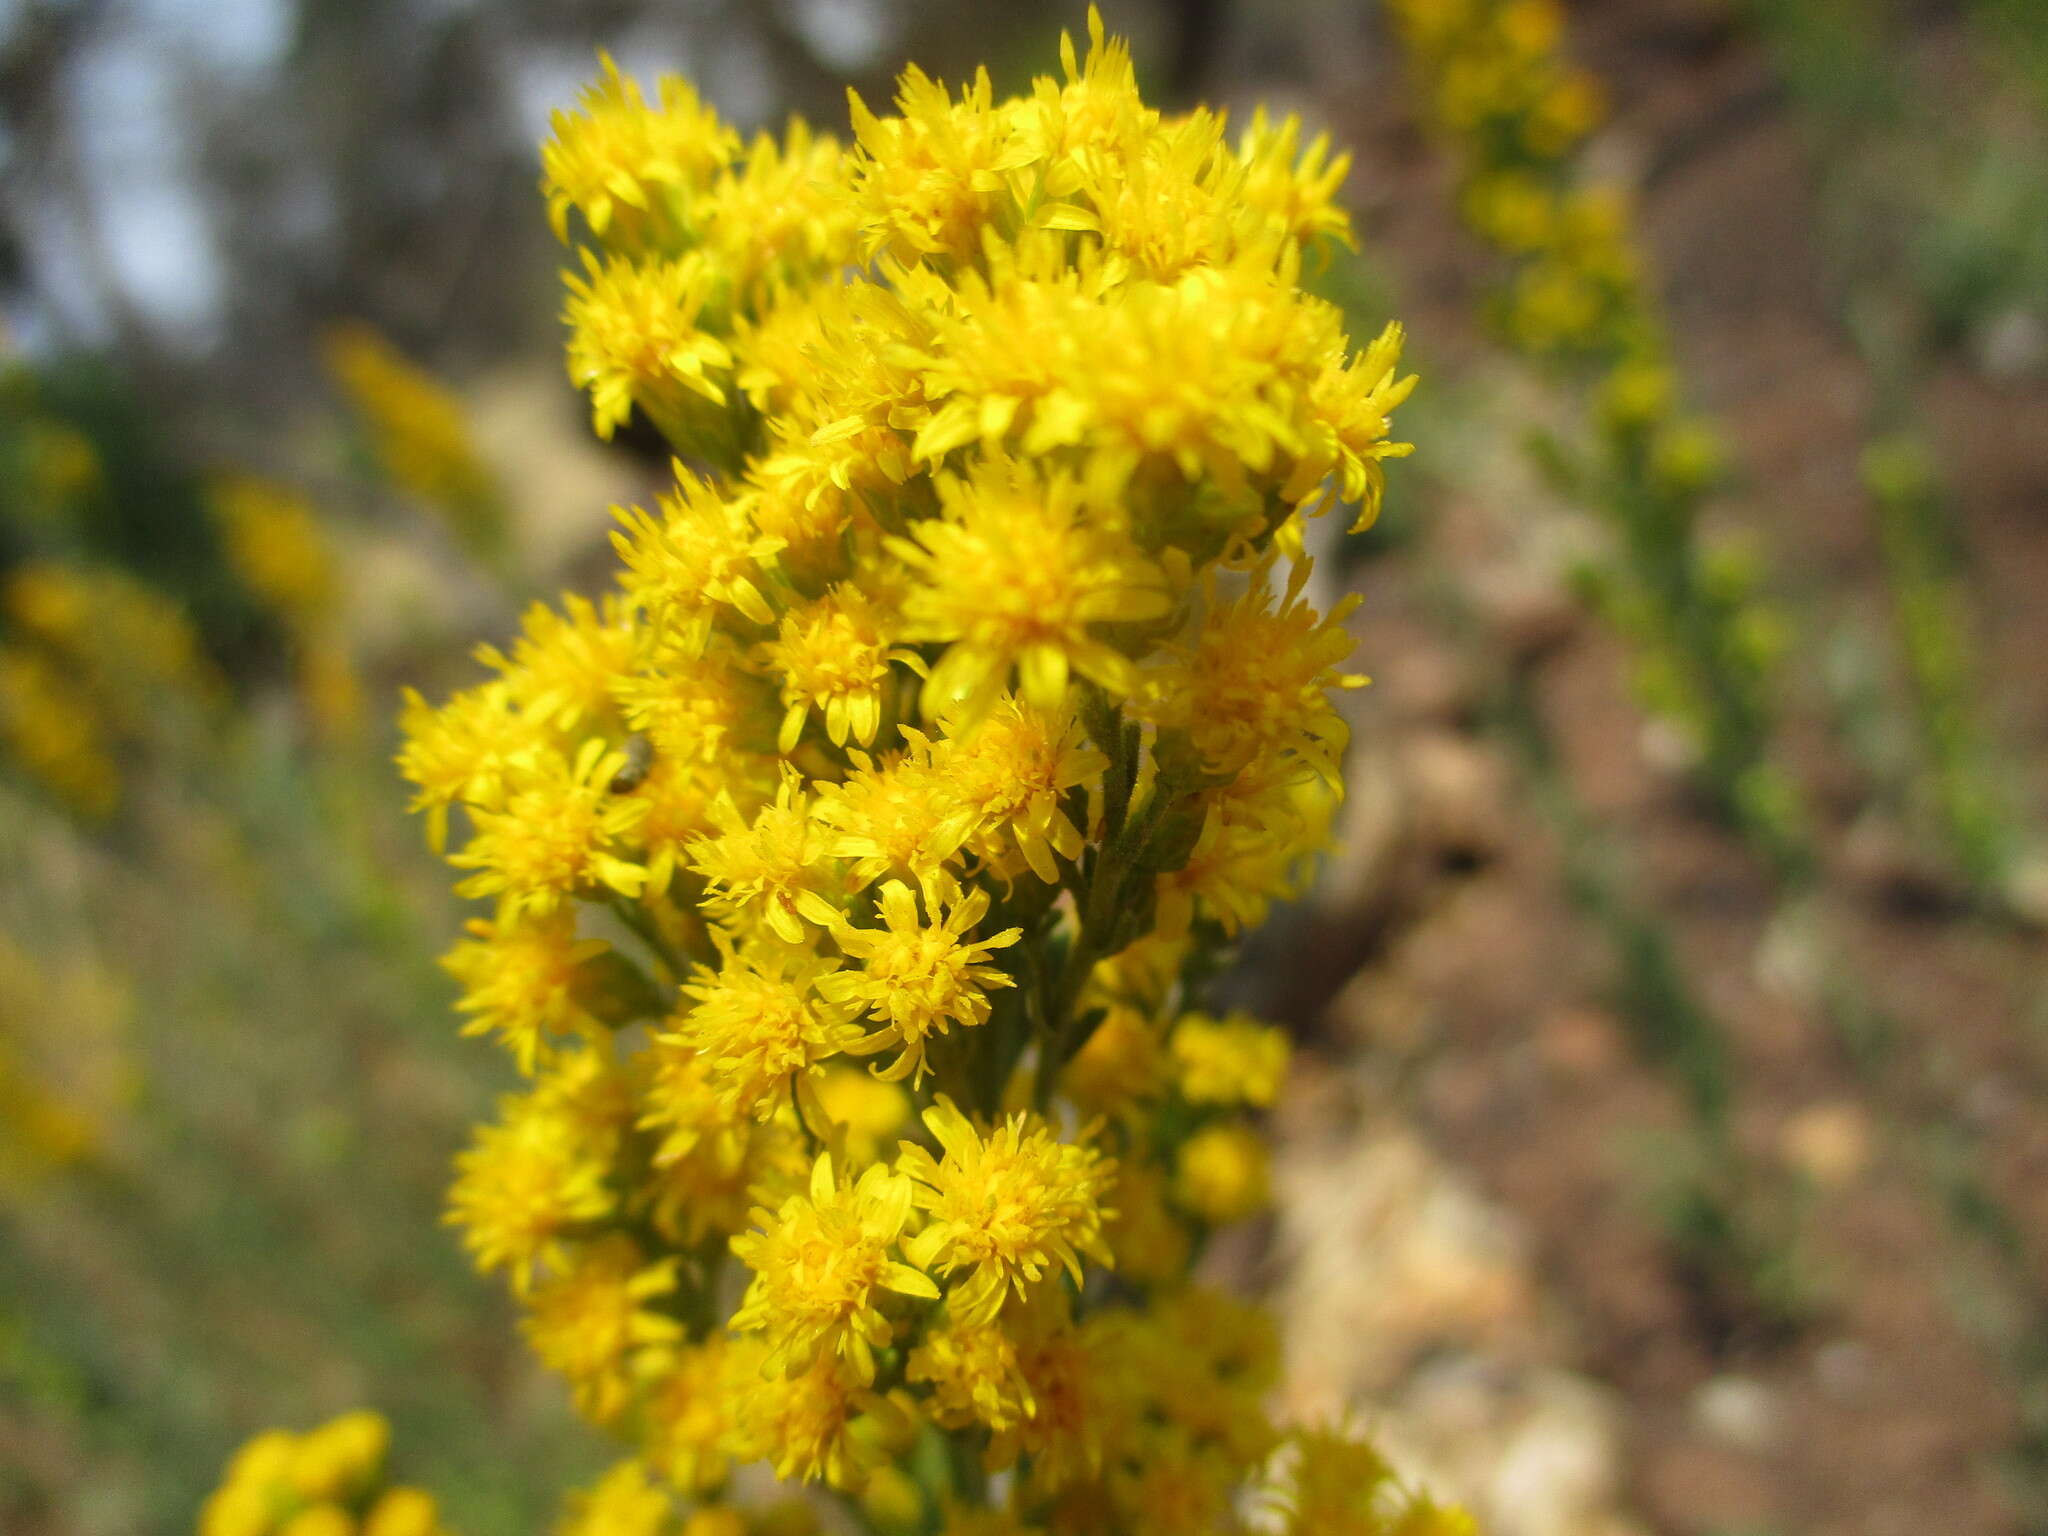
(974, 1375)
(919, 981)
(524, 1184)
(340, 1459)
(1016, 575)
(275, 544)
(697, 706)
(925, 181)
(630, 168)
(238, 1509)
(780, 218)
(834, 655)
(56, 735)
(687, 1411)
(898, 818)
(1294, 189)
(404, 1512)
(862, 1108)
(1220, 1174)
(821, 1265)
(809, 1425)
(525, 982)
(1080, 1387)
(776, 869)
(319, 1520)
(1232, 1060)
(562, 833)
(1011, 773)
(466, 752)
(561, 669)
(418, 430)
(680, 1099)
(590, 1316)
(680, 798)
(1007, 1207)
(624, 1502)
(1340, 1485)
(702, 555)
(1152, 1245)
(1016, 405)
(1118, 1068)
(1256, 681)
(759, 1024)
(1259, 836)
(635, 339)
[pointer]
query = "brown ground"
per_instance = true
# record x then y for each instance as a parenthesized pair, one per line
(1481, 999)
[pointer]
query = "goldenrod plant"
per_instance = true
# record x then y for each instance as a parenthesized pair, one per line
(850, 869)
(1934, 637)
(329, 1481)
(1930, 206)
(1496, 84)
(419, 435)
(93, 666)
(67, 1073)
(273, 540)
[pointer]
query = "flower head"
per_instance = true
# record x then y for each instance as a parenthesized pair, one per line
(526, 981)
(524, 1184)
(1011, 773)
(759, 1022)
(1221, 1174)
(1006, 1207)
(628, 165)
(635, 339)
(821, 1265)
(1232, 1060)
(561, 833)
(835, 656)
(775, 869)
(918, 980)
(1018, 575)
(589, 1318)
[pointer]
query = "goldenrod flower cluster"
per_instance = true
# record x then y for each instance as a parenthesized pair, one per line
(848, 865)
(92, 665)
(329, 1481)
(66, 1069)
(1495, 81)
(275, 544)
(419, 433)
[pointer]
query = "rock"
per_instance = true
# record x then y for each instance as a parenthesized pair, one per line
(1845, 1370)
(1389, 1256)
(1373, 832)
(2025, 889)
(1740, 1412)
(1879, 854)
(2013, 346)
(1459, 792)
(1427, 685)
(1668, 749)
(1530, 614)
(1579, 1043)
(1530, 1452)
(1831, 1143)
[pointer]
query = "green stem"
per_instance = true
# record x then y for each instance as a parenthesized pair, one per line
(641, 925)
